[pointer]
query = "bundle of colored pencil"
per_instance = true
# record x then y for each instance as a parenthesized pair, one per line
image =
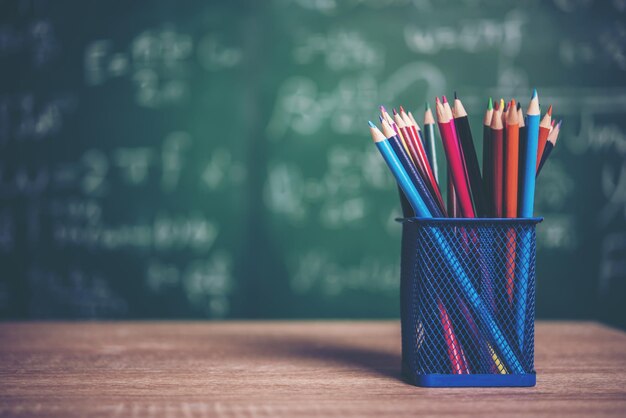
(515, 149)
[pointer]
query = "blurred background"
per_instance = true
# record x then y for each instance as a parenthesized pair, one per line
(212, 159)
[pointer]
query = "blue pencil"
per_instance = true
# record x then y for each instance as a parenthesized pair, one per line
(464, 282)
(398, 171)
(526, 211)
(530, 158)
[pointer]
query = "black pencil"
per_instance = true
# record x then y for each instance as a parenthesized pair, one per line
(461, 122)
(552, 137)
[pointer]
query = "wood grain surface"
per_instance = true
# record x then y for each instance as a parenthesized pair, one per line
(276, 369)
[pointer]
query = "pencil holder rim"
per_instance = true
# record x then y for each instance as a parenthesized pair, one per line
(517, 221)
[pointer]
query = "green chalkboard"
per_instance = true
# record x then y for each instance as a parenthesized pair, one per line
(212, 159)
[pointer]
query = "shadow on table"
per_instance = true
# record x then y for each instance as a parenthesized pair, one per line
(373, 360)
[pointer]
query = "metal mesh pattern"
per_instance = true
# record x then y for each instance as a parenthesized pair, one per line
(468, 296)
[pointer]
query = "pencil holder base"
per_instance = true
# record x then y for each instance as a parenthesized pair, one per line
(471, 380)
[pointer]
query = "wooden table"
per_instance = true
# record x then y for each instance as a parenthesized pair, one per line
(270, 369)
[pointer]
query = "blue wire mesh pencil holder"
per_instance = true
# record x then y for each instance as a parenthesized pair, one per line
(468, 301)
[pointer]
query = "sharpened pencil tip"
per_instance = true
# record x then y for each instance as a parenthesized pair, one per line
(558, 125)
(437, 100)
(427, 107)
(534, 94)
(519, 105)
(402, 109)
(550, 110)
(445, 100)
(382, 109)
(380, 118)
(455, 96)
(371, 124)
(490, 104)
(395, 112)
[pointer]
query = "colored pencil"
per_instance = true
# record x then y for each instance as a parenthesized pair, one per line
(453, 156)
(411, 121)
(544, 130)
(402, 178)
(498, 161)
(522, 153)
(526, 205)
(410, 169)
(413, 146)
(487, 159)
(429, 140)
(455, 350)
(461, 121)
(416, 146)
(391, 123)
(486, 355)
(501, 368)
(511, 159)
(453, 203)
(511, 149)
(450, 113)
(503, 111)
(530, 157)
(551, 143)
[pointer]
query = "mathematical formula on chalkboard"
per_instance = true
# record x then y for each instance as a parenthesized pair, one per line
(208, 160)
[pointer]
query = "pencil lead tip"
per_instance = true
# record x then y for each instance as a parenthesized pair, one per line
(395, 112)
(501, 103)
(455, 96)
(427, 107)
(519, 105)
(437, 100)
(382, 109)
(558, 125)
(534, 94)
(490, 104)
(380, 118)
(402, 109)
(371, 124)
(445, 100)
(550, 110)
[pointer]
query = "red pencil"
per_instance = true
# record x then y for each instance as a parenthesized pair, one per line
(449, 111)
(511, 149)
(544, 130)
(451, 147)
(455, 350)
